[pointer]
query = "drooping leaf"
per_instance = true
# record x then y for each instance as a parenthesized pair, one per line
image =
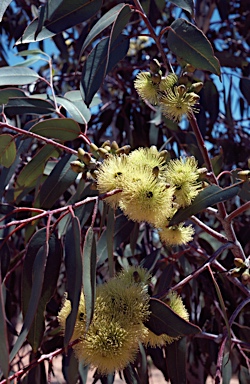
(56, 17)
(176, 361)
(110, 240)
(187, 5)
(70, 367)
(7, 150)
(211, 195)
(73, 266)
(89, 274)
(100, 61)
(17, 76)
(81, 115)
(4, 347)
(28, 105)
(210, 101)
(33, 170)
(60, 129)
(130, 375)
(164, 320)
(6, 93)
(244, 87)
(3, 6)
(189, 43)
(76, 98)
(107, 19)
(57, 182)
(49, 284)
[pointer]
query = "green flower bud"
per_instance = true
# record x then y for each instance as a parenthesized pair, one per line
(77, 166)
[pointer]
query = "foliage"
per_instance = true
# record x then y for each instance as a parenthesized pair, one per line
(94, 83)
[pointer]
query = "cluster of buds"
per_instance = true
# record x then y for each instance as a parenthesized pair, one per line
(242, 270)
(175, 98)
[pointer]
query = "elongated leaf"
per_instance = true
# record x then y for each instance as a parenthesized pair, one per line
(4, 348)
(17, 76)
(56, 17)
(73, 265)
(81, 115)
(6, 93)
(164, 320)
(110, 240)
(32, 171)
(28, 105)
(188, 42)
(106, 20)
(76, 98)
(60, 129)
(209, 196)
(32, 52)
(31, 302)
(176, 361)
(96, 67)
(3, 6)
(187, 5)
(56, 183)
(89, 274)
(7, 150)
(49, 285)
(244, 87)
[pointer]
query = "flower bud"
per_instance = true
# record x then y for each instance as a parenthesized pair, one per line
(114, 146)
(155, 66)
(94, 150)
(81, 153)
(86, 158)
(156, 78)
(181, 89)
(102, 152)
(123, 150)
(77, 166)
(239, 263)
(245, 277)
(244, 175)
(196, 87)
(107, 142)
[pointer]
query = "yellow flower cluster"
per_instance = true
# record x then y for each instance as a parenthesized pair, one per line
(121, 308)
(151, 189)
(175, 100)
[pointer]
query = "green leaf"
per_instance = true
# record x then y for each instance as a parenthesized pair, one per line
(244, 87)
(60, 129)
(28, 105)
(187, 5)
(164, 320)
(189, 43)
(81, 115)
(17, 76)
(100, 61)
(32, 171)
(210, 101)
(110, 240)
(7, 150)
(6, 93)
(209, 196)
(56, 183)
(106, 20)
(56, 17)
(176, 361)
(32, 52)
(49, 284)
(4, 347)
(73, 266)
(3, 6)
(89, 274)
(76, 98)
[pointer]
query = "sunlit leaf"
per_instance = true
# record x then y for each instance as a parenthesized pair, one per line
(7, 150)
(89, 274)
(211, 195)
(189, 43)
(3, 6)
(60, 129)
(17, 76)
(164, 320)
(76, 98)
(81, 115)
(6, 93)
(187, 5)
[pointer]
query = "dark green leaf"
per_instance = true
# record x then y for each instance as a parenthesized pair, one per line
(70, 367)
(60, 129)
(130, 375)
(7, 150)
(210, 101)
(76, 98)
(56, 183)
(3, 6)
(164, 320)
(32, 171)
(6, 93)
(176, 361)
(27, 105)
(5, 256)
(17, 76)
(107, 19)
(73, 266)
(187, 5)
(4, 347)
(100, 61)
(56, 17)
(209, 196)
(244, 87)
(89, 274)
(227, 371)
(81, 114)
(110, 240)
(189, 43)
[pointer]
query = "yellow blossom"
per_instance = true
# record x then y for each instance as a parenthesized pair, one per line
(149, 158)
(176, 235)
(146, 88)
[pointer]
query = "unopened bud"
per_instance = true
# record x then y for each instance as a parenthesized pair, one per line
(81, 153)
(181, 89)
(86, 158)
(77, 166)
(245, 277)
(123, 150)
(190, 68)
(192, 97)
(196, 87)
(94, 149)
(156, 78)
(244, 175)
(102, 152)
(154, 66)
(238, 262)
(236, 272)
(107, 142)
(114, 146)
(164, 154)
